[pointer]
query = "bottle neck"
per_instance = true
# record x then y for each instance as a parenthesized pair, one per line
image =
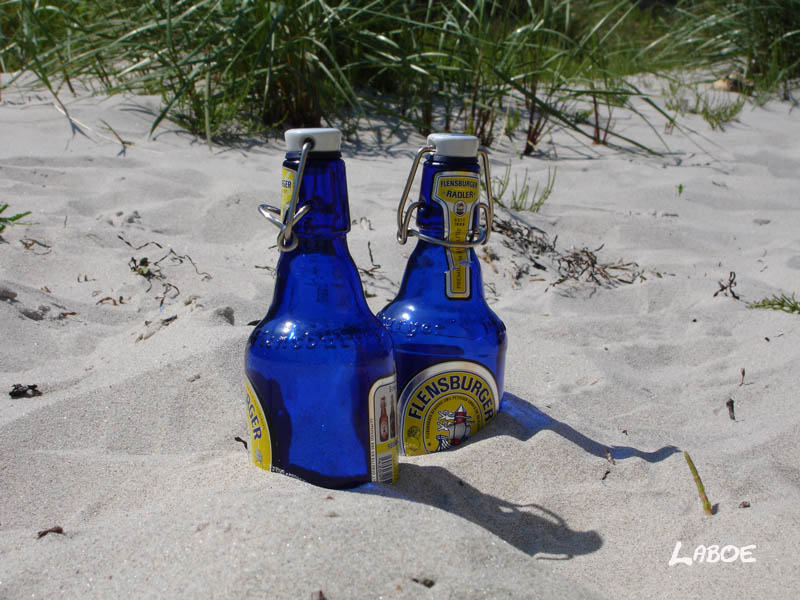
(323, 190)
(450, 189)
(318, 280)
(447, 274)
(449, 198)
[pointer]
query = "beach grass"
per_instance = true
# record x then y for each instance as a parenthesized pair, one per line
(13, 219)
(477, 66)
(701, 490)
(522, 197)
(716, 108)
(778, 302)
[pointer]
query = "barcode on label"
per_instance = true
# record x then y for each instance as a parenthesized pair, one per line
(384, 474)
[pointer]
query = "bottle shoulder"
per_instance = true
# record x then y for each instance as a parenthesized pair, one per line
(291, 331)
(445, 319)
(317, 284)
(423, 306)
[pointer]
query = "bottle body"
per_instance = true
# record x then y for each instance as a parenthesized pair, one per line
(449, 345)
(319, 364)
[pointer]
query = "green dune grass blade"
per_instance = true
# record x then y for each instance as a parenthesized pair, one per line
(12, 220)
(224, 65)
(778, 302)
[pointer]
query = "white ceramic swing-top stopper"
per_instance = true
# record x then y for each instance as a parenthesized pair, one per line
(457, 145)
(325, 139)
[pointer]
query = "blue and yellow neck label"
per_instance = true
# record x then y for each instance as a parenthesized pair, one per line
(260, 441)
(384, 451)
(457, 192)
(444, 404)
(288, 177)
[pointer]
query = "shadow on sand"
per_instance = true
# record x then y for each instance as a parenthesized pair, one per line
(531, 528)
(522, 420)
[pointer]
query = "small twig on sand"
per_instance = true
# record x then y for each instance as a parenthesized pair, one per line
(426, 581)
(169, 291)
(727, 287)
(583, 265)
(179, 258)
(110, 299)
(524, 239)
(142, 246)
(29, 244)
(362, 221)
(731, 413)
(699, 483)
(267, 268)
(371, 271)
(56, 529)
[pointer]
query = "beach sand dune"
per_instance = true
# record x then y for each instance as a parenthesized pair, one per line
(579, 488)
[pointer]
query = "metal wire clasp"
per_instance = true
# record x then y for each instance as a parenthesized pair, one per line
(286, 240)
(482, 232)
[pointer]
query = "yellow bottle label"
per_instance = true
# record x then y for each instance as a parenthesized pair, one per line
(445, 404)
(260, 442)
(457, 192)
(288, 177)
(383, 430)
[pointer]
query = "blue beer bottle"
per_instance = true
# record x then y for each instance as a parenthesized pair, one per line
(449, 345)
(319, 367)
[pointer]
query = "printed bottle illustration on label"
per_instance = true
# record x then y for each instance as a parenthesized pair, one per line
(384, 446)
(384, 421)
(392, 421)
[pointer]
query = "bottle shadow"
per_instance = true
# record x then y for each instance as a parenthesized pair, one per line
(530, 528)
(522, 420)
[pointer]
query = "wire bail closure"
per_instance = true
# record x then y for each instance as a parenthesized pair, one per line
(482, 232)
(286, 240)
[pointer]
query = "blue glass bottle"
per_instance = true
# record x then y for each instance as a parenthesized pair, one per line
(449, 345)
(319, 366)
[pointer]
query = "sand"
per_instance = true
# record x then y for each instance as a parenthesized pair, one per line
(130, 447)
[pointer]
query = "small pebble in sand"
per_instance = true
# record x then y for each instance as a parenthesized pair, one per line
(7, 293)
(731, 412)
(24, 391)
(34, 315)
